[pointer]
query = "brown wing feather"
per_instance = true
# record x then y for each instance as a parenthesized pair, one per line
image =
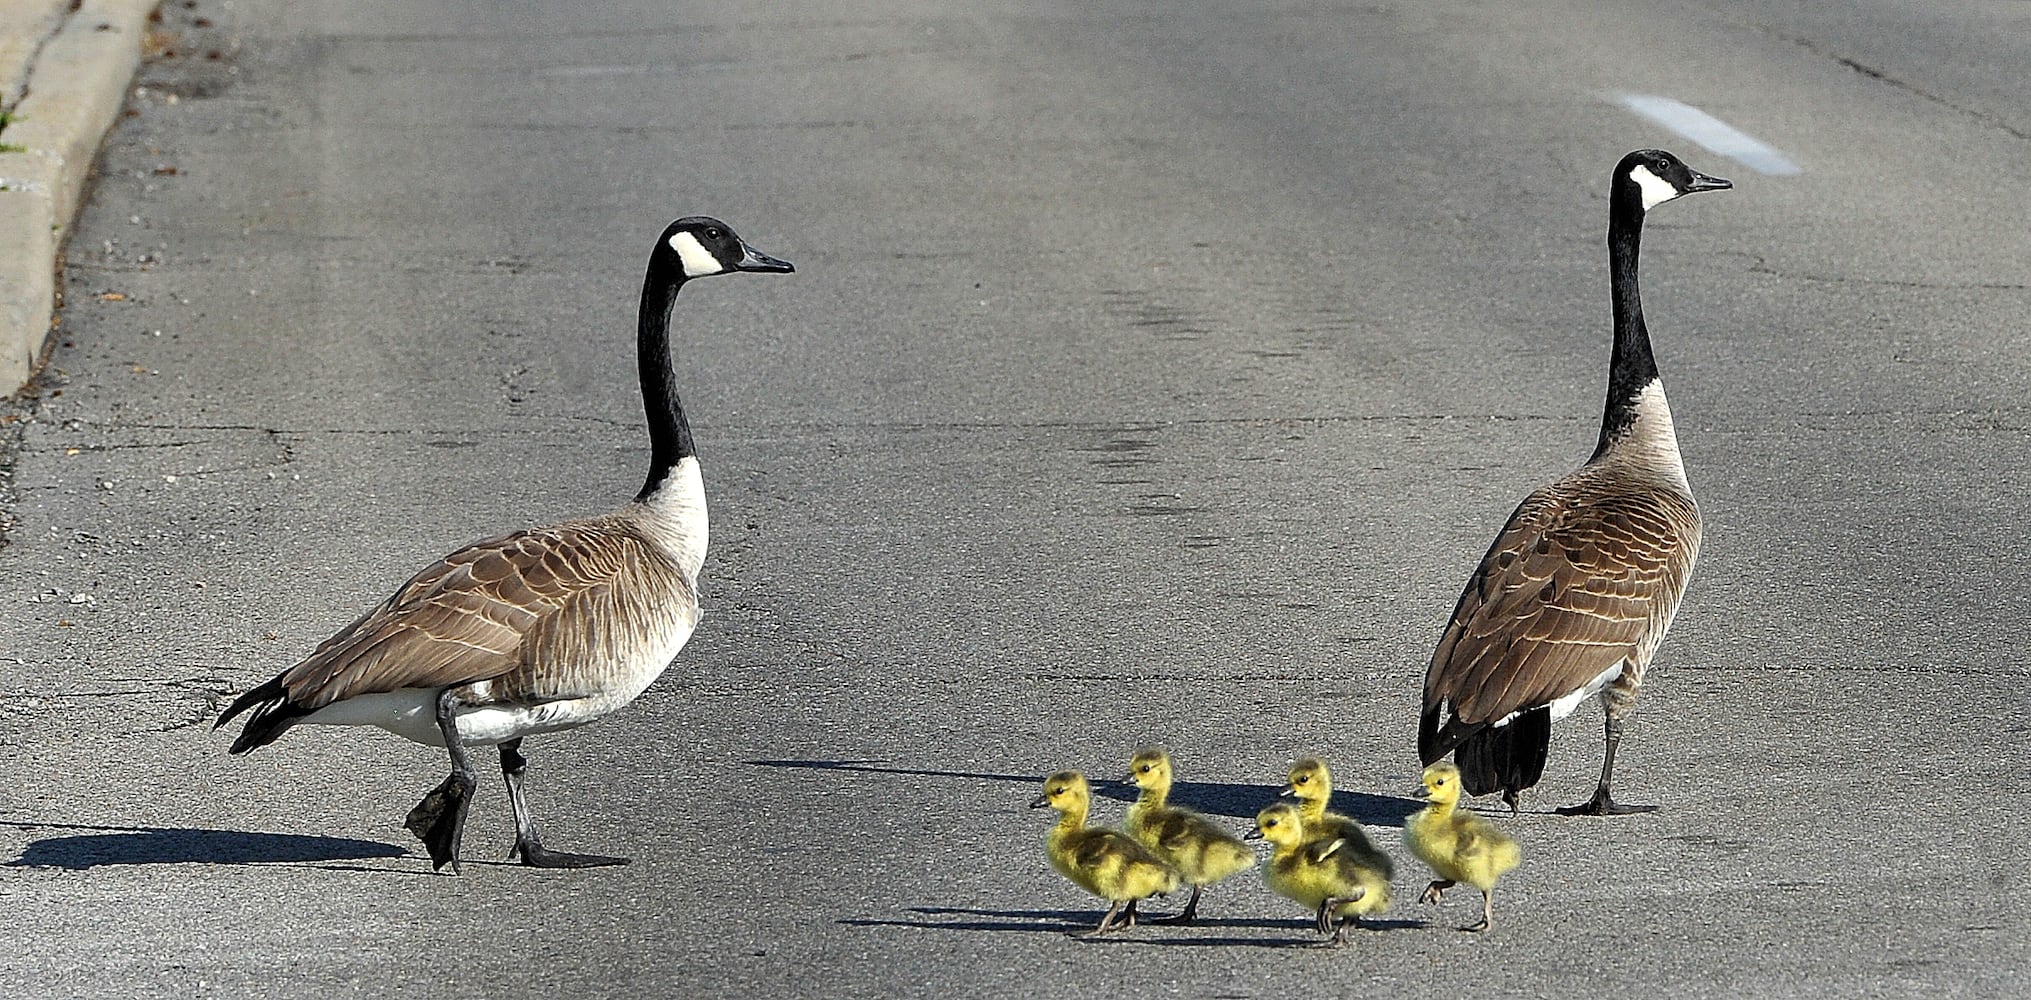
(466, 617)
(1574, 584)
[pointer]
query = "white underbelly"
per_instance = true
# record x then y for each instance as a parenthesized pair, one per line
(411, 713)
(1562, 707)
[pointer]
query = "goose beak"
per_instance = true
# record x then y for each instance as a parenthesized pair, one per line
(1040, 802)
(1703, 182)
(752, 259)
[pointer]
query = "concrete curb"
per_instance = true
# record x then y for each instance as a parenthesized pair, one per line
(72, 95)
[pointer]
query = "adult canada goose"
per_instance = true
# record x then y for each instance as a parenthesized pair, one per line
(1579, 587)
(538, 630)
(1107, 863)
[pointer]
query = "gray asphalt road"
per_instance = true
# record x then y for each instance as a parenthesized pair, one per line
(1149, 376)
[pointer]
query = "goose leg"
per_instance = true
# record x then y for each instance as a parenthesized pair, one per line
(528, 843)
(1191, 910)
(1487, 912)
(1434, 891)
(1602, 804)
(439, 819)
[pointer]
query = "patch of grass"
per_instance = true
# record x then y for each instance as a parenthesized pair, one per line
(8, 147)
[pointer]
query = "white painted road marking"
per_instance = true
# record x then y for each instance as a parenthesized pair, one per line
(1717, 136)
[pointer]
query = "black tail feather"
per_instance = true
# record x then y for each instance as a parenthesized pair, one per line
(273, 715)
(1436, 740)
(1506, 758)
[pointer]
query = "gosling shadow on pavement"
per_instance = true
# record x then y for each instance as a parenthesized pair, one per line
(1202, 933)
(104, 845)
(1238, 801)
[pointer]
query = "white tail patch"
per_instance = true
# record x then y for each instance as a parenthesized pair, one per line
(1656, 190)
(698, 261)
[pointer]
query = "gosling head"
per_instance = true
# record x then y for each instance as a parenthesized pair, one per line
(1309, 780)
(1063, 791)
(1441, 783)
(1652, 177)
(1280, 824)
(699, 246)
(1150, 768)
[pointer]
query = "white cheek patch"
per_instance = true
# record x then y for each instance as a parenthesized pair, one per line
(698, 261)
(1656, 190)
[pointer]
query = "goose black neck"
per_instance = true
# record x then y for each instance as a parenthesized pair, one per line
(669, 434)
(1631, 367)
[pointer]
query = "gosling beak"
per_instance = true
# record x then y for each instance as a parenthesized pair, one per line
(752, 259)
(1421, 793)
(1703, 182)
(1288, 791)
(1253, 834)
(1040, 802)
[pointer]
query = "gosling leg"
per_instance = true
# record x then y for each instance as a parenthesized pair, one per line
(1435, 891)
(1330, 922)
(528, 843)
(1191, 910)
(1106, 922)
(439, 819)
(1603, 804)
(1487, 913)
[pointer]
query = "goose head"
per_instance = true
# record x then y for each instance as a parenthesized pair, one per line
(1280, 824)
(1150, 769)
(699, 246)
(1309, 780)
(1651, 177)
(1064, 791)
(1441, 784)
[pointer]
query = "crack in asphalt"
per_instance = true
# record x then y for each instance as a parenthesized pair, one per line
(1762, 266)
(1886, 77)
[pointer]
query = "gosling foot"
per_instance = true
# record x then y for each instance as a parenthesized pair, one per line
(1434, 892)
(1115, 918)
(1190, 911)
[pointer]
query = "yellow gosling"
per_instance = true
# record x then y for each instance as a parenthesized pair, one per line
(1106, 863)
(1198, 848)
(1458, 846)
(1311, 783)
(1336, 883)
